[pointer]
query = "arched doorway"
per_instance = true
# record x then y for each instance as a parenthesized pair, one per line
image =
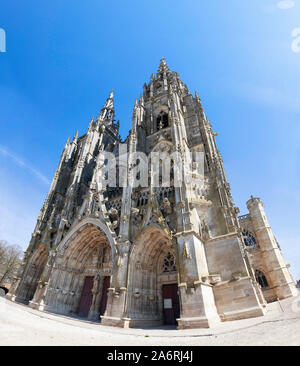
(152, 285)
(33, 272)
(81, 274)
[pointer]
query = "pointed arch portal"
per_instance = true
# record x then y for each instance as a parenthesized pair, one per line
(81, 274)
(152, 285)
(32, 275)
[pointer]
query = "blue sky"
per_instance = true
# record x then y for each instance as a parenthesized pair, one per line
(63, 58)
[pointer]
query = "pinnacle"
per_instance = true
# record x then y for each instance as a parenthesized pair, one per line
(162, 60)
(109, 104)
(163, 66)
(75, 138)
(107, 110)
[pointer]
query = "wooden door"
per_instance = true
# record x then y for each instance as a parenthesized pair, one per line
(105, 287)
(86, 297)
(171, 304)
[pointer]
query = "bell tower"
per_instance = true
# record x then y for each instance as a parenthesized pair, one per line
(198, 215)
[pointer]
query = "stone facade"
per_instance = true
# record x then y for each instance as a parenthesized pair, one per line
(127, 254)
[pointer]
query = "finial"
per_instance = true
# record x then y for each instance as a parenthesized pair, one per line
(163, 67)
(142, 100)
(75, 137)
(91, 123)
(107, 110)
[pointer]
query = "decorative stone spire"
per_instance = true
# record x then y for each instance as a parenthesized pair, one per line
(75, 138)
(92, 123)
(163, 67)
(141, 101)
(107, 112)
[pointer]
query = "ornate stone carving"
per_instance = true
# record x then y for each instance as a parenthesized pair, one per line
(186, 252)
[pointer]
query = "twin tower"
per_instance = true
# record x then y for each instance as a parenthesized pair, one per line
(145, 255)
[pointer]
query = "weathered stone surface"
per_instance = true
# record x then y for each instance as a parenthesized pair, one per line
(137, 243)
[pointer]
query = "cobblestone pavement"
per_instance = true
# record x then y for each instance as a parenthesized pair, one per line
(20, 325)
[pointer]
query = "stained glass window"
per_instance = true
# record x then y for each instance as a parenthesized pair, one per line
(169, 263)
(249, 239)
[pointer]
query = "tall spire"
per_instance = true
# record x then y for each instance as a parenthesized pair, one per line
(163, 67)
(107, 112)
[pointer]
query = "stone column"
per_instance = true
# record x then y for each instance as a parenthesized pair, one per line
(278, 272)
(38, 299)
(197, 304)
(12, 292)
(97, 292)
(115, 309)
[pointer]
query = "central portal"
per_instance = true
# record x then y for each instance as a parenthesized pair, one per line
(87, 295)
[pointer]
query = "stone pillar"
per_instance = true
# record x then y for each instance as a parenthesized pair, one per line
(38, 299)
(97, 292)
(277, 269)
(12, 292)
(115, 309)
(197, 304)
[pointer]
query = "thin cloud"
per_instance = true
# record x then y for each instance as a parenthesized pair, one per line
(24, 165)
(264, 95)
(286, 4)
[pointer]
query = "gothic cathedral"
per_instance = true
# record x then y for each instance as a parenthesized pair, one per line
(135, 256)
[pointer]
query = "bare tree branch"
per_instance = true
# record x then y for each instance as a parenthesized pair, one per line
(10, 260)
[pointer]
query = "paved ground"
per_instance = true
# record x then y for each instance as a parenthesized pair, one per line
(20, 325)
